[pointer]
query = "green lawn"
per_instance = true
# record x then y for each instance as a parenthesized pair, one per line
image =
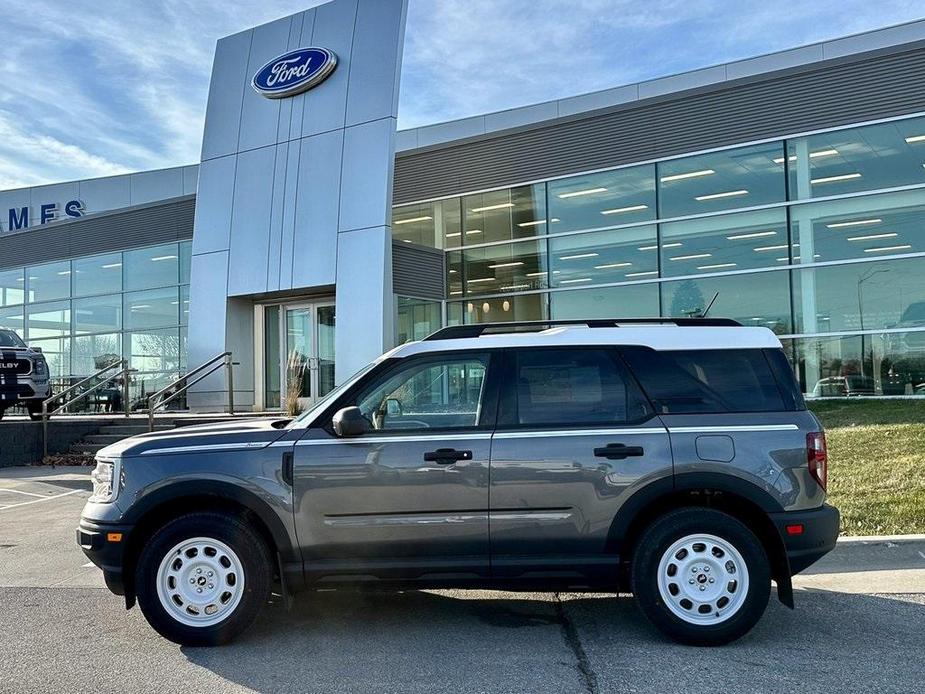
(876, 464)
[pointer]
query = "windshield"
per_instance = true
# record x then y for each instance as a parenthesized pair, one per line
(10, 339)
(306, 417)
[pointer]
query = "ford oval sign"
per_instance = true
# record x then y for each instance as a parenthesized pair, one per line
(294, 72)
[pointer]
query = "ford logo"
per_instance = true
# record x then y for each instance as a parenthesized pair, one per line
(294, 72)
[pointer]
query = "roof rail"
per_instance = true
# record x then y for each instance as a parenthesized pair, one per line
(453, 332)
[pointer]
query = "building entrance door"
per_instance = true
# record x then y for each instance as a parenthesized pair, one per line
(298, 354)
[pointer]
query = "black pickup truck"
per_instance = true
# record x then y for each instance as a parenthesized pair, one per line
(23, 375)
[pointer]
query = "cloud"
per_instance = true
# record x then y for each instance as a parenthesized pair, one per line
(91, 89)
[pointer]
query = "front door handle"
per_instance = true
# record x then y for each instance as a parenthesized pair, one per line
(617, 451)
(447, 456)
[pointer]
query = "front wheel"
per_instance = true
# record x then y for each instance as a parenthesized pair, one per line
(701, 576)
(202, 578)
(35, 411)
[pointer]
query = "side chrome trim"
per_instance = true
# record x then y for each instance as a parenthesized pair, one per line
(404, 520)
(530, 516)
(396, 439)
(207, 448)
(545, 433)
(723, 429)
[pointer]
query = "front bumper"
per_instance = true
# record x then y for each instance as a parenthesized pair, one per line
(98, 541)
(820, 528)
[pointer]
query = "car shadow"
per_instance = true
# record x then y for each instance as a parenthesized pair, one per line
(422, 641)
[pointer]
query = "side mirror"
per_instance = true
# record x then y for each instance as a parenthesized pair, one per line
(36, 349)
(350, 422)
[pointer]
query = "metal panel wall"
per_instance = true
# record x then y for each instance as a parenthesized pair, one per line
(145, 225)
(830, 94)
(418, 271)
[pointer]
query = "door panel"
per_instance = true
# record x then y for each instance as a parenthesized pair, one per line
(557, 482)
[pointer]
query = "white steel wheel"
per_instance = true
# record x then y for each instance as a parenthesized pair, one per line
(702, 579)
(200, 582)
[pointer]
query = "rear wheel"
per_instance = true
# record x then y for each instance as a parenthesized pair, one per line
(35, 411)
(701, 576)
(202, 578)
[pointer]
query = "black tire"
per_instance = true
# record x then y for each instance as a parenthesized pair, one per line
(250, 549)
(658, 539)
(2, 412)
(35, 411)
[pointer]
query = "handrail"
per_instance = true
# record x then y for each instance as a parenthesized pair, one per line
(216, 362)
(124, 373)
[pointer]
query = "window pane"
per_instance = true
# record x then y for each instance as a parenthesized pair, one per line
(12, 288)
(761, 299)
(454, 273)
(864, 227)
(427, 394)
(860, 296)
(703, 381)
(436, 224)
(51, 281)
(868, 158)
(100, 274)
(602, 199)
(502, 309)
(730, 242)
(186, 254)
(57, 354)
(603, 256)
(416, 319)
(151, 267)
(630, 301)
(153, 350)
(581, 386)
(151, 309)
(12, 319)
(49, 320)
(184, 304)
(724, 180)
(502, 215)
(506, 268)
(94, 352)
(98, 314)
(879, 364)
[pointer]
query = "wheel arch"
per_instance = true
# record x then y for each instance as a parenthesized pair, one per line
(739, 498)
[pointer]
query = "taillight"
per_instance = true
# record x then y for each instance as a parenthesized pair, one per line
(817, 457)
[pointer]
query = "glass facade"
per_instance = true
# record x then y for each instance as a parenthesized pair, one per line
(820, 238)
(88, 312)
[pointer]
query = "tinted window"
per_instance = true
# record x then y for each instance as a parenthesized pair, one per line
(575, 386)
(10, 339)
(701, 381)
(427, 394)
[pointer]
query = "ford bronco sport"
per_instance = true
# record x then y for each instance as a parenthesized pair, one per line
(23, 375)
(671, 458)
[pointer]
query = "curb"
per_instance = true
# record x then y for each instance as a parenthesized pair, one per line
(850, 539)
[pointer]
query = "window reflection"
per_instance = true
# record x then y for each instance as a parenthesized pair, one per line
(630, 301)
(48, 320)
(600, 257)
(604, 199)
(741, 177)
(435, 224)
(157, 266)
(94, 352)
(50, 281)
(504, 268)
(151, 309)
(503, 215)
(98, 314)
(12, 287)
(99, 274)
(417, 318)
(499, 308)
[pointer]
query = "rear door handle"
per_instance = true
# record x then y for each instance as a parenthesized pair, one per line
(446, 456)
(618, 451)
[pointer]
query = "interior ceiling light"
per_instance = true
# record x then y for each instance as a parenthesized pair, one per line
(694, 256)
(716, 267)
(481, 279)
(833, 179)
(579, 193)
(532, 224)
(884, 249)
(675, 244)
(631, 208)
(163, 257)
(855, 223)
(761, 249)
(812, 155)
(717, 196)
(488, 208)
(454, 235)
(578, 256)
(691, 174)
(513, 264)
(641, 274)
(752, 235)
(574, 281)
(915, 138)
(611, 265)
(411, 220)
(474, 231)
(648, 248)
(871, 237)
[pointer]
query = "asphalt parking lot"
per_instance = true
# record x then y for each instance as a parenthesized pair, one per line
(859, 626)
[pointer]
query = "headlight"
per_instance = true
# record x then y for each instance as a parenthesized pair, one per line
(40, 367)
(105, 480)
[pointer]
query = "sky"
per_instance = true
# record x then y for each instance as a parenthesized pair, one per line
(92, 89)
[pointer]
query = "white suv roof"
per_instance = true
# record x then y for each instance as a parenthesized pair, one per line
(663, 336)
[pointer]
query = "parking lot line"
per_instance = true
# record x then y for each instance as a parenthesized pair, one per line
(38, 501)
(19, 491)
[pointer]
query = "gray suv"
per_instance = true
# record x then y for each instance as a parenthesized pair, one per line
(673, 459)
(23, 375)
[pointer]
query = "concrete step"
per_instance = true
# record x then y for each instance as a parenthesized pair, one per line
(104, 439)
(88, 449)
(132, 429)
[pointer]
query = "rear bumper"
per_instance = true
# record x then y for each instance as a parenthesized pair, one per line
(98, 541)
(820, 528)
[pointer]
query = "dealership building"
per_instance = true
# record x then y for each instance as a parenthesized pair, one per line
(786, 191)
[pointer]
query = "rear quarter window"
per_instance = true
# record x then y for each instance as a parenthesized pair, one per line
(709, 381)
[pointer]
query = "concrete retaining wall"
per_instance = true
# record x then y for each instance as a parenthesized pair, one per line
(21, 442)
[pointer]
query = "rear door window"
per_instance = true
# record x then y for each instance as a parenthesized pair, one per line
(570, 387)
(707, 381)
